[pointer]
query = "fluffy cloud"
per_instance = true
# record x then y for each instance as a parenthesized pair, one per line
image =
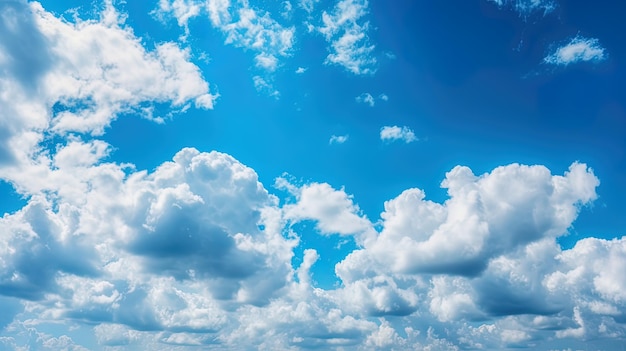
(198, 254)
(78, 77)
(333, 209)
(345, 31)
(195, 253)
(579, 49)
(486, 216)
(180, 245)
(393, 133)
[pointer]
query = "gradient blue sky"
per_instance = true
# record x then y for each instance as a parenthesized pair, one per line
(353, 174)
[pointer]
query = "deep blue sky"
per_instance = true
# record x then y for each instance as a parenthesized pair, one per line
(482, 84)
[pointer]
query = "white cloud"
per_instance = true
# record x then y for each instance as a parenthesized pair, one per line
(85, 74)
(243, 26)
(526, 7)
(287, 9)
(338, 139)
(346, 33)
(177, 257)
(579, 49)
(263, 86)
(369, 99)
(198, 254)
(366, 98)
(478, 222)
(301, 70)
(393, 133)
(183, 10)
(308, 5)
(333, 209)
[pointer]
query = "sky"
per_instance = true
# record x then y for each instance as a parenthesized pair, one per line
(312, 174)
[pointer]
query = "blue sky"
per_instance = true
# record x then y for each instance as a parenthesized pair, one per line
(312, 174)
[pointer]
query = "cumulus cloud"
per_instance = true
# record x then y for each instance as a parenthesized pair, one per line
(394, 133)
(301, 70)
(333, 210)
(579, 49)
(85, 73)
(486, 216)
(346, 33)
(198, 254)
(195, 253)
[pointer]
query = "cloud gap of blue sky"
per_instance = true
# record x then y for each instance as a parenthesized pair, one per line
(331, 174)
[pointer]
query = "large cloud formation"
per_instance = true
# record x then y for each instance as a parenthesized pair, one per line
(198, 254)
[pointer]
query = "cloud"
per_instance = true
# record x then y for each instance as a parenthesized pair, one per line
(526, 7)
(301, 70)
(393, 133)
(338, 139)
(81, 86)
(344, 31)
(242, 25)
(477, 223)
(308, 5)
(263, 86)
(332, 209)
(198, 254)
(366, 98)
(579, 49)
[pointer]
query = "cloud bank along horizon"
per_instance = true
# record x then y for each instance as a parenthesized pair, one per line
(313, 225)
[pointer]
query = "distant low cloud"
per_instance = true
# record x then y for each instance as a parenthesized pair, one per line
(338, 139)
(579, 49)
(393, 133)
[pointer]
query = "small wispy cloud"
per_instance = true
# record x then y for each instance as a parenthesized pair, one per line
(579, 49)
(242, 25)
(526, 7)
(394, 133)
(346, 33)
(301, 70)
(338, 139)
(263, 86)
(366, 98)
